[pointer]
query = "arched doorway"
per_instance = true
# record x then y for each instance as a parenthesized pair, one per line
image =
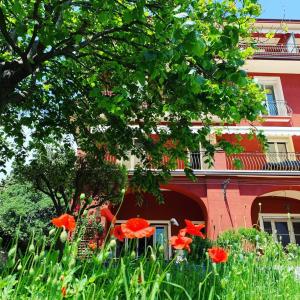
(168, 217)
(278, 213)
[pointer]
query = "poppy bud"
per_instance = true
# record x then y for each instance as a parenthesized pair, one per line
(85, 213)
(31, 248)
(161, 249)
(36, 257)
(122, 191)
(82, 196)
(112, 244)
(52, 231)
(19, 268)
(31, 271)
(133, 255)
(12, 251)
(153, 257)
(63, 236)
(42, 253)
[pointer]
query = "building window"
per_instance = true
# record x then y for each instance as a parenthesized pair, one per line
(277, 152)
(160, 237)
(195, 159)
(283, 229)
(274, 103)
(270, 103)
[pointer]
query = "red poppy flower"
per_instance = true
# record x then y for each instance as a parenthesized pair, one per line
(218, 255)
(66, 221)
(118, 233)
(105, 212)
(63, 291)
(180, 242)
(192, 229)
(92, 245)
(137, 228)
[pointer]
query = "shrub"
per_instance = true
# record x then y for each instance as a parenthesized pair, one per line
(246, 239)
(22, 211)
(293, 251)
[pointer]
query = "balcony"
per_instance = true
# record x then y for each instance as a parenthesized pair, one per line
(271, 161)
(244, 162)
(279, 108)
(275, 51)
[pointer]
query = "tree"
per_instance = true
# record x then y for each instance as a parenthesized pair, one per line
(107, 73)
(63, 177)
(23, 210)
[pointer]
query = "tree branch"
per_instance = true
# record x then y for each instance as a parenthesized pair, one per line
(36, 26)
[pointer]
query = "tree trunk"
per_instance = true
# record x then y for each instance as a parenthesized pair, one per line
(11, 74)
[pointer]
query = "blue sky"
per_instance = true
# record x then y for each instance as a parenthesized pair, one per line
(279, 9)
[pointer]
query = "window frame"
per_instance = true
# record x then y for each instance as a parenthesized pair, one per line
(275, 82)
(289, 148)
(165, 223)
(168, 248)
(289, 218)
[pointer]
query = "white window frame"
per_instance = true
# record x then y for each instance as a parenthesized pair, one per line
(278, 91)
(289, 218)
(289, 147)
(155, 223)
(168, 252)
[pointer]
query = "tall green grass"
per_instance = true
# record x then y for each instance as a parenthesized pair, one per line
(42, 271)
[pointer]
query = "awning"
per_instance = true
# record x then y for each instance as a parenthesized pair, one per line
(267, 131)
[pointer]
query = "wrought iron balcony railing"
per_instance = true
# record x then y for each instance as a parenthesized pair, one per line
(271, 161)
(251, 161)
(275, 50)
(277, 108)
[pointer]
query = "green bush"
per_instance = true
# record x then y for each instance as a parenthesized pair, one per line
(293, 251)
(246, 238)
(22, 211)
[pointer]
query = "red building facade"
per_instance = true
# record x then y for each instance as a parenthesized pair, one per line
(265, 191)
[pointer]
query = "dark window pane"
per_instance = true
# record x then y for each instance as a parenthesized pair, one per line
(141, 246)
(296, 226)
(282, 232)
(119, 248)
(267, 227)
(297, 238)
(282, 227)
(284, 239)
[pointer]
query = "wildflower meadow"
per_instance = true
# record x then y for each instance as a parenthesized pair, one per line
(52, 267)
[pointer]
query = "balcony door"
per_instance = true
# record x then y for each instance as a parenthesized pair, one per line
(277, 152)
(270, 103)
(274, 103)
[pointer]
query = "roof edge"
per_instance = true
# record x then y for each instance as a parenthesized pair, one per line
(263, 20)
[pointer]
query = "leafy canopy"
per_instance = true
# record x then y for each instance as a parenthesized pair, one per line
(107, 73)
(61, 176)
